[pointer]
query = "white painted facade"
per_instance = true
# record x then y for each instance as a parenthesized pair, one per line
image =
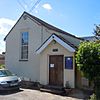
(32, 69)
(69, 74)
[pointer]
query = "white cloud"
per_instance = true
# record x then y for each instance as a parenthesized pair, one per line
(47, 6)
(5, 26)
(2, 46)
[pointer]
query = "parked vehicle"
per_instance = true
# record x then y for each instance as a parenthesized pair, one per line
(8, 81)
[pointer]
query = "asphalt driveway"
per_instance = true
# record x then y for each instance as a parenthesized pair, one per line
(27, 94)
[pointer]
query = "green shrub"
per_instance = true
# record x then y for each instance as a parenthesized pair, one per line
(93, 97)
(2, 66)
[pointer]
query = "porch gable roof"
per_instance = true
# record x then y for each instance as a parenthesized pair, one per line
(66, 44)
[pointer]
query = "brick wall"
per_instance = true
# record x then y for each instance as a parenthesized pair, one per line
(2, 59)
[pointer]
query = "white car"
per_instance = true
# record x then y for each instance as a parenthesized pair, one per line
(8, 81)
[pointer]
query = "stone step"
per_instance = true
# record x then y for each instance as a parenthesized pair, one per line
(60, 88)
(58, 92)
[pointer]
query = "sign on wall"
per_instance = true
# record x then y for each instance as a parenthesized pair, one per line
(51, 65)
(68, 62)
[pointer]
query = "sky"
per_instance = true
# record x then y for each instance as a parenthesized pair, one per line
(74, 16)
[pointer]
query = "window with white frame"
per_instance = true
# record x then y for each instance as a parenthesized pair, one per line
(24, 45)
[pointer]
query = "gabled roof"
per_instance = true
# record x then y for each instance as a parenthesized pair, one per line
(63, 42)
(91, 38)
(44, 24)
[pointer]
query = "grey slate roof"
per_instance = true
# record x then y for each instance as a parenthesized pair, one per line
(63, 39)
(44, 24)
(91, 38)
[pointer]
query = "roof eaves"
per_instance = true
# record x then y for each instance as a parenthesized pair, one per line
(52, 27)
(66, 41)
(59, 40)
(13, 26)
(45, 24)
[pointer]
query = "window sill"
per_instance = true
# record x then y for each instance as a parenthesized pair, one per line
(23, 60)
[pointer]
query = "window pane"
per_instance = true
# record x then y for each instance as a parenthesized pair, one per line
(24, 52)
(24, 46)
(25, 38)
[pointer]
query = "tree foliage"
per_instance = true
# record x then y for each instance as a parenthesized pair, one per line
(97, 31)
(88, 59)
(2, 66)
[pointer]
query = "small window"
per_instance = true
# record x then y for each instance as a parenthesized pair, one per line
(55, 50)
(24, 38)
(68, 62)
(24, 45)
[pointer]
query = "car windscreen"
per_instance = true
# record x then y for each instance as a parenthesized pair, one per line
(4, 73)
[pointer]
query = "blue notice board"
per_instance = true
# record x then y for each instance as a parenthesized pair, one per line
(68, 62)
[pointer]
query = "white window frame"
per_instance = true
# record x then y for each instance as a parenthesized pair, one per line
(23, 45)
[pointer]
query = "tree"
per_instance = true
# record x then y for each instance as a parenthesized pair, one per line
(88, 61)
(97, 31)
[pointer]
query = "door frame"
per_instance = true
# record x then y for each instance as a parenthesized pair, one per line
(62, 66)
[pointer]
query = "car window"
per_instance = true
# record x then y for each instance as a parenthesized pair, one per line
(1, 74)
(5, 73)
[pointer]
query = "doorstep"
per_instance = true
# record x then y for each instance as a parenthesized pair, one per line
(53, 89)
